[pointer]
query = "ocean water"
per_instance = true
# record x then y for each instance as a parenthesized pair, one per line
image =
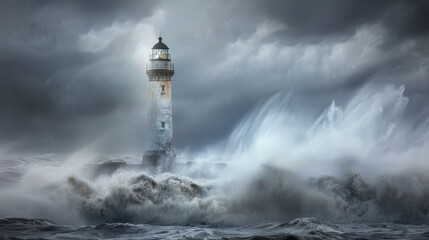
(358, 171)
(301, 228)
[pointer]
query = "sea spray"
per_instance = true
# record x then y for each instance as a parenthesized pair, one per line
(349, 164)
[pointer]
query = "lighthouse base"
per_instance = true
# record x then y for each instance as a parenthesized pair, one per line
(158, 160)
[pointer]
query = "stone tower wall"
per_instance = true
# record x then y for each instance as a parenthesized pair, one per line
(161, 124)
(160, 116)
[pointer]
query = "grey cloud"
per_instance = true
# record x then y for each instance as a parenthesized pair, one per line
(55, 95)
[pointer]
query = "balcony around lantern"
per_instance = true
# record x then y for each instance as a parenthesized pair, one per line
(160, 66)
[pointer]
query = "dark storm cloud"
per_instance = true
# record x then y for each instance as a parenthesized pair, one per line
(323, 18)
(318, 20)
(72, 72)
(48, 97)
(407, 19)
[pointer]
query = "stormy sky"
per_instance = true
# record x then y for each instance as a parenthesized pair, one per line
(72, 73)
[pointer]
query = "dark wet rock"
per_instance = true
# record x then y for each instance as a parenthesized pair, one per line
(330, 185)
(145, 179)
(358, 188)
(405, 197)
(178, 186)
(145, 188)
(353, 187)
(358, 195)
(80, 187)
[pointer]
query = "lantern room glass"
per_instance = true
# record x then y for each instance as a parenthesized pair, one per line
(160, 54)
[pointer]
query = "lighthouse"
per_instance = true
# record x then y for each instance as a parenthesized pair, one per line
(159, 70)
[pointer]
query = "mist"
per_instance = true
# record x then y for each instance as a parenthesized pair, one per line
(357, 162)
(287, 112)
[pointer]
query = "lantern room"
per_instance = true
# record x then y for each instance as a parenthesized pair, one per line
(160, 51)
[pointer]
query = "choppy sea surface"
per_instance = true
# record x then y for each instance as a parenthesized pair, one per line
(301, 228)
(190, 228)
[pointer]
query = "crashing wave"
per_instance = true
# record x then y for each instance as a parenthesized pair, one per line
(354, 163)
(141, 198)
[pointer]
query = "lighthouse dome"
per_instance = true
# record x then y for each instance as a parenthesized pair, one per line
(160, 45)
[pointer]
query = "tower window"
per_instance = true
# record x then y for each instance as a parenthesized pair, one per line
(162, 88)
(163, 124)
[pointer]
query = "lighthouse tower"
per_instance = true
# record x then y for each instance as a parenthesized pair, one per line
(159, 71)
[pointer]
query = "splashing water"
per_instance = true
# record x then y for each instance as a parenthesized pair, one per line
(366, 133)
(360, 162)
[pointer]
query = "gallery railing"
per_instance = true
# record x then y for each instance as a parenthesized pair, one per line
(156, 66)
